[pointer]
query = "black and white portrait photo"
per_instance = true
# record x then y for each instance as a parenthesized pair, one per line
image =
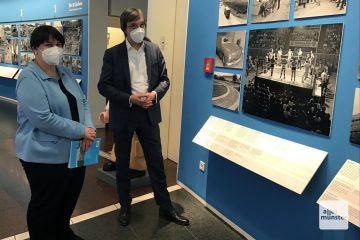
(72, 31)
(230, 49)
(316, 8)
(291, 75)
(270, 10)
(355, 120)
(226, 90)
(233, 12)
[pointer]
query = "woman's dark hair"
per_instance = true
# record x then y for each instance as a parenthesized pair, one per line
(129, 15)
(43, 34)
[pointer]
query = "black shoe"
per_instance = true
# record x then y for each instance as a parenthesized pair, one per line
(109, 166)
(173, 216)
(124, 215)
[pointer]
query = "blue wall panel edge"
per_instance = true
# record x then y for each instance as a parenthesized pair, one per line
(262, 208)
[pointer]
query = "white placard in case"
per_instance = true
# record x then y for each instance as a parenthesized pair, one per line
(346, 186)
(289, 164)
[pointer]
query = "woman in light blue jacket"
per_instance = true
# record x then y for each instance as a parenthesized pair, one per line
(52, 111)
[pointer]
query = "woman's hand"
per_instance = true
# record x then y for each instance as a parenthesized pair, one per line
(86, 144)
(90, 134)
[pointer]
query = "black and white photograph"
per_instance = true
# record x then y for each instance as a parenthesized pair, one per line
(317, 8)
(270, 10)
(66, 61)
(226, 90)
(76, 65)
(358, 75)
(5, 35)
(230, 49)
(26, 58)
(25, 45)
(233, 12)
(58, 25)
(26, 29)
(14, 30)
(72, 31)
(14, 43)
(355, 120)
(291, 75)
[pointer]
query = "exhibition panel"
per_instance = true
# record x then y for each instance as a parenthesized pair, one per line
(271, 157)
(69, 17)
(298, 84)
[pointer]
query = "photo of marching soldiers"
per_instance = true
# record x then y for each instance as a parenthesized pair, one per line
(233, 12)
(291, 75)
(355, 121)
(226, 90)
(230, 49)
(316, 8)
(270, 10)
(72, 31)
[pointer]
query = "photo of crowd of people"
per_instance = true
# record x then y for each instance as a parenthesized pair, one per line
(270, 10)
(317, 8)
(291, 75)
(226, 90)
(230, 49)
(72, 63)
(355, 121)
(233, 12)
(72, 31)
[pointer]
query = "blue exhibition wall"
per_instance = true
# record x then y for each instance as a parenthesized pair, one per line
(262, 208)
(25, 12)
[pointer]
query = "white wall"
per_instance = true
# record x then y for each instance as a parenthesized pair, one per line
(116, 7)
(98, 20)
(167, 26)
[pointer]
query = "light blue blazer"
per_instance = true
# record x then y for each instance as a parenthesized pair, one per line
(45, 128)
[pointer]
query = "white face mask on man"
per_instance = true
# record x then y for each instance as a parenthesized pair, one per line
(137, 35)
(52, 55)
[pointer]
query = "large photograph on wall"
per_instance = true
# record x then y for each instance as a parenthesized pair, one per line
(233, 12)
(226, 90)
(72, 31)
(230, 49)
(270, 10)
(291, 75)
(316, 8)
(355, 120)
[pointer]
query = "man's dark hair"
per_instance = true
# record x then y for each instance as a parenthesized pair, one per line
(43, 34)
(129, 15)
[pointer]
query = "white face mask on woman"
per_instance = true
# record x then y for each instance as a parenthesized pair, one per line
(52, 55)
(137, 35)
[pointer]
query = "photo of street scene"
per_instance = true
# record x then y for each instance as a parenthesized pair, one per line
(316, 8)
(226, 90)
(355, 120)
(270, 10)
(233, 12)
(230, 49)
(72, 31)
(291, 75)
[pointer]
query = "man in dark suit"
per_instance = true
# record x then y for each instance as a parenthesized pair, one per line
(134, 79)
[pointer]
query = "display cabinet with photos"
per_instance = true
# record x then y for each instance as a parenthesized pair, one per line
(15, 50)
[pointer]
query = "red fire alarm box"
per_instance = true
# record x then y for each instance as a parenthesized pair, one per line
(208, 65)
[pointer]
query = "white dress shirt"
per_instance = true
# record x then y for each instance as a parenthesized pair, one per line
(138, 69)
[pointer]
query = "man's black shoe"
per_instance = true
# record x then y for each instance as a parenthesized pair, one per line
(109, 166)
(124, 216)
(173, 216)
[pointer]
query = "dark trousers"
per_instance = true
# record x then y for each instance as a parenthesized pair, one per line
(54, 193)
(149, 137)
